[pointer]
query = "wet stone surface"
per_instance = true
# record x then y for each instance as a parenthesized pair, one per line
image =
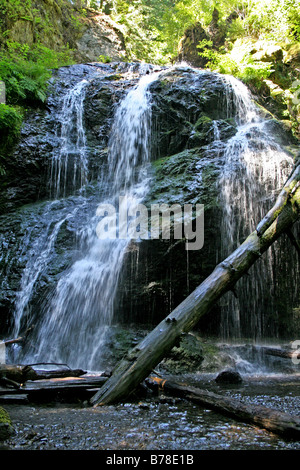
(159, 423)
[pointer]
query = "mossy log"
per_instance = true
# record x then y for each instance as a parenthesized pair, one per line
(273, 420)
(141, 360)
(20, 374)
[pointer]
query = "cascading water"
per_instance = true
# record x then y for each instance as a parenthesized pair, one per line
(256, 168)
(69, 164)
(68, 173)
(76, 317)
(72, 309)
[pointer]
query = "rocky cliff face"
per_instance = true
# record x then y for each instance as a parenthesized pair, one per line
(193, 118)
(100, 36)
(57, 25)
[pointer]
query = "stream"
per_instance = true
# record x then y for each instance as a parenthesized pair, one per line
(160, 423)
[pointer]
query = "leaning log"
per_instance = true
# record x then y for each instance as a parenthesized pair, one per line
(141, 360)
(267, 418)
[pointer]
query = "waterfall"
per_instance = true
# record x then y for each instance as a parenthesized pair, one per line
(69, 164)
(69, 284)
(255, 169)
(77, 316)
(68, 173)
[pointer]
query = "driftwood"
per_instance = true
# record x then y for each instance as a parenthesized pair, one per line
(34, 373)
(63, 384)
(281, 353)
(8, 382)
(12, 372)
(20, 339)
(20, 374)
(267, 418)
(142, 359)
(41, 390)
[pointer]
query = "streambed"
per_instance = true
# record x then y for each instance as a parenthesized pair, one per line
(158, 422)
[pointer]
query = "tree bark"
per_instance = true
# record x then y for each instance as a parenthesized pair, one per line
(281, 353)
(21, 374)
(275, 421)
(141, 360)
(63, 384)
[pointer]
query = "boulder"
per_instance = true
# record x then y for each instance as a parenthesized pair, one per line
(229, 376)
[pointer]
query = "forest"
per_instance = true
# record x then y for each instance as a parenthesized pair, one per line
(116, 343)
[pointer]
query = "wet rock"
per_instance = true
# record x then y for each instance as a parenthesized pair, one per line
(229, 376)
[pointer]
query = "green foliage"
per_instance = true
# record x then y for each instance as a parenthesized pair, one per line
(105, 59)
(153, 27)
(26, 70)
(273, 19)
(10, 125)
(238, 62)
(143, 24)
(16, 9)
(4, 416)
(10, 121)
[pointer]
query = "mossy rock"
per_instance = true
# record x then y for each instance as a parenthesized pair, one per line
(6, 429)
(186, 357)
(176, 179)
(292, 56)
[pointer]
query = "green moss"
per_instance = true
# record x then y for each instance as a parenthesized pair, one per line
(186, 357)
(4, 416)
(203, 122)
(177, 180)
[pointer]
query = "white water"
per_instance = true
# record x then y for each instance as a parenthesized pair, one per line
(68, 173)
(40, 252)
(256, 168)
(77, 317)
(69, 164)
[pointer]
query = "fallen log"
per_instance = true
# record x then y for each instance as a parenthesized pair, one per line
(12, 372)
(143, 358)
(63, 384)
(281, 353)
(8, 382)
(264, 417)
(21, 374)
(34, 373)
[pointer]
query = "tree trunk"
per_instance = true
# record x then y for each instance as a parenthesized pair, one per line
(21, 374)
(267, 418)
(141, 360)
(281, 353)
